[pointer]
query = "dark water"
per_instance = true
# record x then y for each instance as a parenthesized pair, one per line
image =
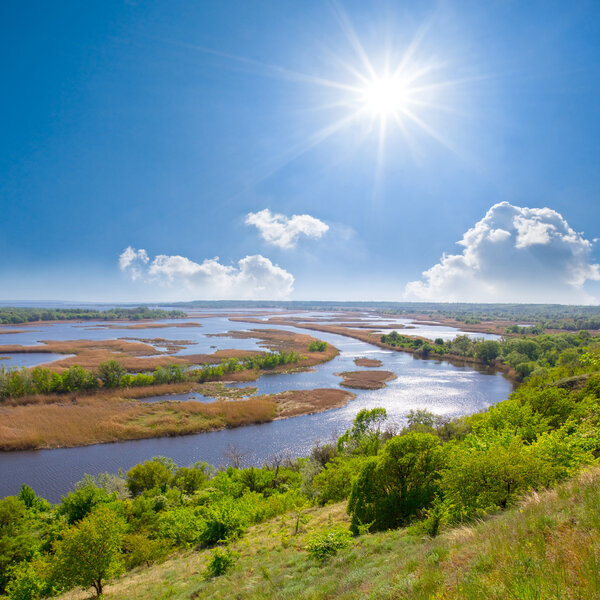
(440, 387)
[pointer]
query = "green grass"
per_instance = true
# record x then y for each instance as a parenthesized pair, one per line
(548, 547)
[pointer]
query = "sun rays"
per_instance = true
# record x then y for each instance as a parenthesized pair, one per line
(401, 91)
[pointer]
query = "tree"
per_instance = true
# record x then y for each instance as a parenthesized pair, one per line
(392, 487)
(78, 504)
(365, 435)
(154, 473)
(76, 378)
(111, 372)
(487, 351)
(90, 552)
(19, 537)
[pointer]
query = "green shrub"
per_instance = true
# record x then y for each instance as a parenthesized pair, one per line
(221, 560)
(224, 521)
(324, 544)
(317, 346)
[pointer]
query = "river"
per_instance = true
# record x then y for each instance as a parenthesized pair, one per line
(441, 387)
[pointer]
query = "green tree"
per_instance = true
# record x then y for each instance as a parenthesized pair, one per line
(487, 351)
(111, 373)
(154, 473)
(77, 378)
(487, 473)
(364, 437)
(19, 538)
(391, 488)
(90, 552)
(78, 504)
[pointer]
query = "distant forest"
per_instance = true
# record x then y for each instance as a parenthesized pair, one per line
(549, 316)
(16, 315)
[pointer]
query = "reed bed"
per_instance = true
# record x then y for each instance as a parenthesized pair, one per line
(79, 421)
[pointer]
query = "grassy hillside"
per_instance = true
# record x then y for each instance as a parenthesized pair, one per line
(548, 546)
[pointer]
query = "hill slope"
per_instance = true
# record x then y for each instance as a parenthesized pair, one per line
(547, 547)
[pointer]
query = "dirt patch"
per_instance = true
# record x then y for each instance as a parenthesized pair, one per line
(367, 362)
(5, 331)
(366, 380)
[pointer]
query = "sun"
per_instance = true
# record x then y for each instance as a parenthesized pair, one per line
(384, 97)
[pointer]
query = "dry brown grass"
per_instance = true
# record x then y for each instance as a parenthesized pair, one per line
(84, 420)
(282, 340)
(367, 362)
(146, 325)
(366, 380)
(114, 415)
(306, 402)
(90, 353)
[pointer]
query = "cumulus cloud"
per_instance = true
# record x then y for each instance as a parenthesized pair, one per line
(283, 231)
(514, 254)
(254, 277)
(133, 261)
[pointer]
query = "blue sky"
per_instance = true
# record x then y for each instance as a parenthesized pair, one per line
(160, 126)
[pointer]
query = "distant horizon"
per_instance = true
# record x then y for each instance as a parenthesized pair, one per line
(208, 303)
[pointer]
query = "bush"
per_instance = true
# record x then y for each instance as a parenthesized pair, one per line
(154, 473)
(224, 522)
(324, 544)
(182, 526)
(221, 561)
(317, 346)
(140, 550)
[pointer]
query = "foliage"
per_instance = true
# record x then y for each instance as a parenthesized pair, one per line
(365, 435)
(78, 504)
(90, 552)
(16, 383)
(326, 544)
(14, 315)
(221, 560)
(317, 346)
(30, 580)
(152, 474)
(393, 487)
(523, 354)
(138, 549)
(223, 522)
(111, 373)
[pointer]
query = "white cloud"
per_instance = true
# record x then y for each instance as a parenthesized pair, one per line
(133, 261)
(283, 231)
(254, 277)
(514, 254)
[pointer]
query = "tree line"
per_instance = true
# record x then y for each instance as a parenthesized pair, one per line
(17, 383)
(16, 315)
(523, 354)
